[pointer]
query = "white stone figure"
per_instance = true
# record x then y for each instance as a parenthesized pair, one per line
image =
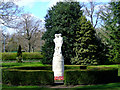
(58, 44)
(58, 60)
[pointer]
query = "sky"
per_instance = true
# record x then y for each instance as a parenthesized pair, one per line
(39, 8)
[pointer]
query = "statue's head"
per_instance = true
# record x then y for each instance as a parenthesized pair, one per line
(57, 35)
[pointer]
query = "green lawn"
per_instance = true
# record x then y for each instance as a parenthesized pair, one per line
(11, 64)
(6, 87)
(114, 66)
(113, 86)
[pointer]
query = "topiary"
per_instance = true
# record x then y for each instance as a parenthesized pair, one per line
(19, 54)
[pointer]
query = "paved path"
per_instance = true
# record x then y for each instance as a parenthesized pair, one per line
(64, 86)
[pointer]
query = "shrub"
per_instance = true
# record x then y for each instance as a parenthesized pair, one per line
(19, 55)
(9, 56)
(27, 77)
(32, 55)
(90, 76)
(25, 56)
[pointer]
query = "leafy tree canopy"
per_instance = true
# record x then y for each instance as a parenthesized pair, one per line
(111, 18)
(61, 18)
(88, 49)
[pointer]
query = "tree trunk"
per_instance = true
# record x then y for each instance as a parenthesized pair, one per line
(29, 46)
(33, 49)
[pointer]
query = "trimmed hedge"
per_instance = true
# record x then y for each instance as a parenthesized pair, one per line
(9, 56)
(25, 56)
(32, 55)
(27, 77)
(90, 76)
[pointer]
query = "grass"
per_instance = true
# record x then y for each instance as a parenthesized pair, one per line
(11, 64)
(114, 66)
(111, 86)
(6, 87)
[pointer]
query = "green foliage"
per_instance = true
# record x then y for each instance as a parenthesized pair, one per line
(88, 49)
(0, 55)
(32, 55)
(19, 54)
(111, 29)
(9, 56)
(59, 20)
(90, 76)
(25, 56)
(27, 77)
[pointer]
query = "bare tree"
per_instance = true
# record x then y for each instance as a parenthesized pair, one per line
(5, 42)
(37, 42)
(9, 42)
(28, 27)
(0, 42)
(92, 10)
(8, 13)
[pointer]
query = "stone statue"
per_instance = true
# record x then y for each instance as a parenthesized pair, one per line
(58, 44)
(58, 60)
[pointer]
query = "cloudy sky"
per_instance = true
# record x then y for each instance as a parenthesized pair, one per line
(39, 7)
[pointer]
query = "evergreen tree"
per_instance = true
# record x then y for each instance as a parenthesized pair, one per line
(19, 54)
(61, 18)
(88, 49)
(112, 30)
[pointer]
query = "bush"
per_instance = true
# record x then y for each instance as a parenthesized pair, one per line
(32, 55)
(19, 55)
(9, 56)
(90, 76)
(25, 56)
(27, 77)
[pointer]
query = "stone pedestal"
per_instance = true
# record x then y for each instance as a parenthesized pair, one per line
(58, 67)
(58, 60)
